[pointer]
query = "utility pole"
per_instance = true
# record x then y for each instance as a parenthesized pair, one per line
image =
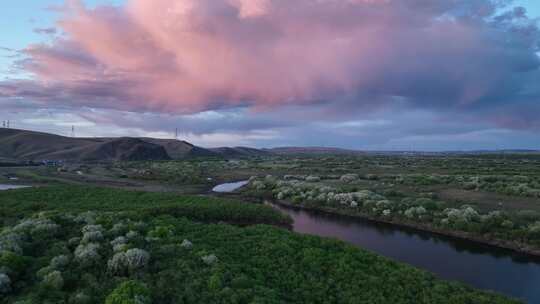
(176, 134)
(72, 131)
(8, 124)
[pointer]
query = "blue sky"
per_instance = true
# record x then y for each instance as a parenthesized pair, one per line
(458, 94)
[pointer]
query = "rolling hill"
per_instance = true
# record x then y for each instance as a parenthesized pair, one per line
(36, 146)
(23, 145)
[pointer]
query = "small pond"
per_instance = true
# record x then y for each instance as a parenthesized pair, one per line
(9, 187)
(229, 187)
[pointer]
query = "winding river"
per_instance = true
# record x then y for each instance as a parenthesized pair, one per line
(482, 266)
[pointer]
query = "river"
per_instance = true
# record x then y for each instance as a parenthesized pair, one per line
(481, 266)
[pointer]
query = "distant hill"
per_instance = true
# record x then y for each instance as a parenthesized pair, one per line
(179, 149)
(37, 146)
(239, 152)
(312, 151)
(22, 145)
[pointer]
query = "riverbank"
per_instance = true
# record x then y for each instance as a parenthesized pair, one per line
(503, 244)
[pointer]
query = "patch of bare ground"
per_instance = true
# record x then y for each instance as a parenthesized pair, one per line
(487, 201)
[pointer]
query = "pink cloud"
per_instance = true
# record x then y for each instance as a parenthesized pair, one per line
(187, 56)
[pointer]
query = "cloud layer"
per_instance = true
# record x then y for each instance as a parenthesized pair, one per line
(473, 60)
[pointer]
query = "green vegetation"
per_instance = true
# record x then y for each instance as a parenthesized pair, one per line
(92, 245)
(17, 204)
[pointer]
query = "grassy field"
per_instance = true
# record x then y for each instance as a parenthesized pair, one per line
(480, 196)
(69, 244)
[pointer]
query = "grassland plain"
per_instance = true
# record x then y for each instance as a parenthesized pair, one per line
(69, 244)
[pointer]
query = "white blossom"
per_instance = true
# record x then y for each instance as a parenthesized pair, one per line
(5, 283)
(313, 179)
(210, 259)
(59, 262)
(92, 228)
(120, 247)
(54, 280)
(415, 212)
(37, 226)
(87, 254)
(88, 217)
(10, 241)
(137, 258)
(119, 240)
(132, 234)
(186, 244)
(92, 237)
(348, 178)
(117, 265)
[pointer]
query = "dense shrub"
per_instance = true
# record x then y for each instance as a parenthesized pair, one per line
(130, 292)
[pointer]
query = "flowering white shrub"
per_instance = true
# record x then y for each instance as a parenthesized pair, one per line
(74, 241)
(5, 283)
(415, 212)
(507, 224)
(465, 214)
(326, 189)
(534, 228)
(54, 280)
(92, 237)
(59, 262)
(137, 258)
(140, 226)
(88, 217)
(118, 229)
(120, 247)
(132, 235)
(87, 254)
(80, 298)
(92, 228)
(10, 241)
(119, 241)
(258, 185)
(186, 244)
(354, 204)
(210, 259)
(131, 260)
(117, 265)
(37, 226)
(387, 212)
(313, 179)
(44, 271)
(348, 178)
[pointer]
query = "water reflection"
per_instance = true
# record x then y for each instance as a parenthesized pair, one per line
(9, 187)
(479, 265)
(229, 187)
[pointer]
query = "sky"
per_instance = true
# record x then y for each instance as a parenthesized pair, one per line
(363, 74)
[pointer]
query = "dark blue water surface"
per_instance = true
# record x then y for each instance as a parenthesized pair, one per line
(481, 266)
